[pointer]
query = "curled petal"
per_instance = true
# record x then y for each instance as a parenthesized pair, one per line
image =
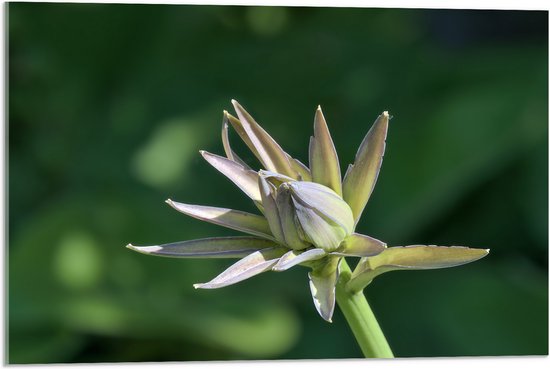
(239, 220)
(361, 177)
(253, 264)
(216, 247)
(415, 257)
(245, 179)
(325, 201)
(270, 154)
(360, 245)
(322, 282)
(295, 257)
(323, 159)
(317, 230)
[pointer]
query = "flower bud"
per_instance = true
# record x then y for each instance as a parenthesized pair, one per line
(320, 216)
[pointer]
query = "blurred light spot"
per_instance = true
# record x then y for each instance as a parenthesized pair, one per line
(95, 315)
(267, 21)
(78, 263)
(268, 330)
(164, 159)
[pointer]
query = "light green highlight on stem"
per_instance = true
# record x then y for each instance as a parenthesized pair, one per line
(360, 318)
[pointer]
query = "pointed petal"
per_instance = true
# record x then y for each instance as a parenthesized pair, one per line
(295, 164)
(323, 159)
(241, 221)
(287, 217)
(227, 147)
(295, 257)
(360, 245)
(322, 282)
(238, 127)
(304, 174)
(270, 209)
(361, 177)
(415, 257)
(255, 263)
(220, 247)
(269, 152)
(246, 180)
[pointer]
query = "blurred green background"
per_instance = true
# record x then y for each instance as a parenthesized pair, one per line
(109, 105)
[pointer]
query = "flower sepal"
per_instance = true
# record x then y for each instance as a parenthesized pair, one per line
(414, 257)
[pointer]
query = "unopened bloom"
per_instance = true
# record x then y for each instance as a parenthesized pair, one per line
(309, 214)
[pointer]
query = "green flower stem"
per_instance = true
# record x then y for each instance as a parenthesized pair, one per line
(360, 318)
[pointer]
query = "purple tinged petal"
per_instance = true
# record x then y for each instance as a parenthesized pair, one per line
(270, 154)
(295, 257)
(245, 179)
(227, 147)
(217, 247)
(287, 215)
(239, 220)
(270, 209)
(253, 264)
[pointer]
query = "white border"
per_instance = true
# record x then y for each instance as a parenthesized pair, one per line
(423, 4)
(412, 363)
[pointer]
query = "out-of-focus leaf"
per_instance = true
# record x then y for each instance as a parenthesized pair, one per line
(414, 257)
(221, 247)
(361, 176)
(241, 221)
(249, 266)
(323, 159)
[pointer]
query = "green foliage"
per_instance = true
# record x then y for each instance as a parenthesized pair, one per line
(109, 105)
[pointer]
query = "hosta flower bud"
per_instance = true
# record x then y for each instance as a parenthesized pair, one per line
(319, 215)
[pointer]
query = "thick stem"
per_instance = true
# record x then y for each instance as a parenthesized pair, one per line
(360, 318)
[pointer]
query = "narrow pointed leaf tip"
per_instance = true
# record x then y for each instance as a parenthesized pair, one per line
(245, 179)
(268, 150)
(361, 177)
(414, 257)
(234, 219)
(249, 266)
(221, 247)
(323, 159)
(322, 283)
